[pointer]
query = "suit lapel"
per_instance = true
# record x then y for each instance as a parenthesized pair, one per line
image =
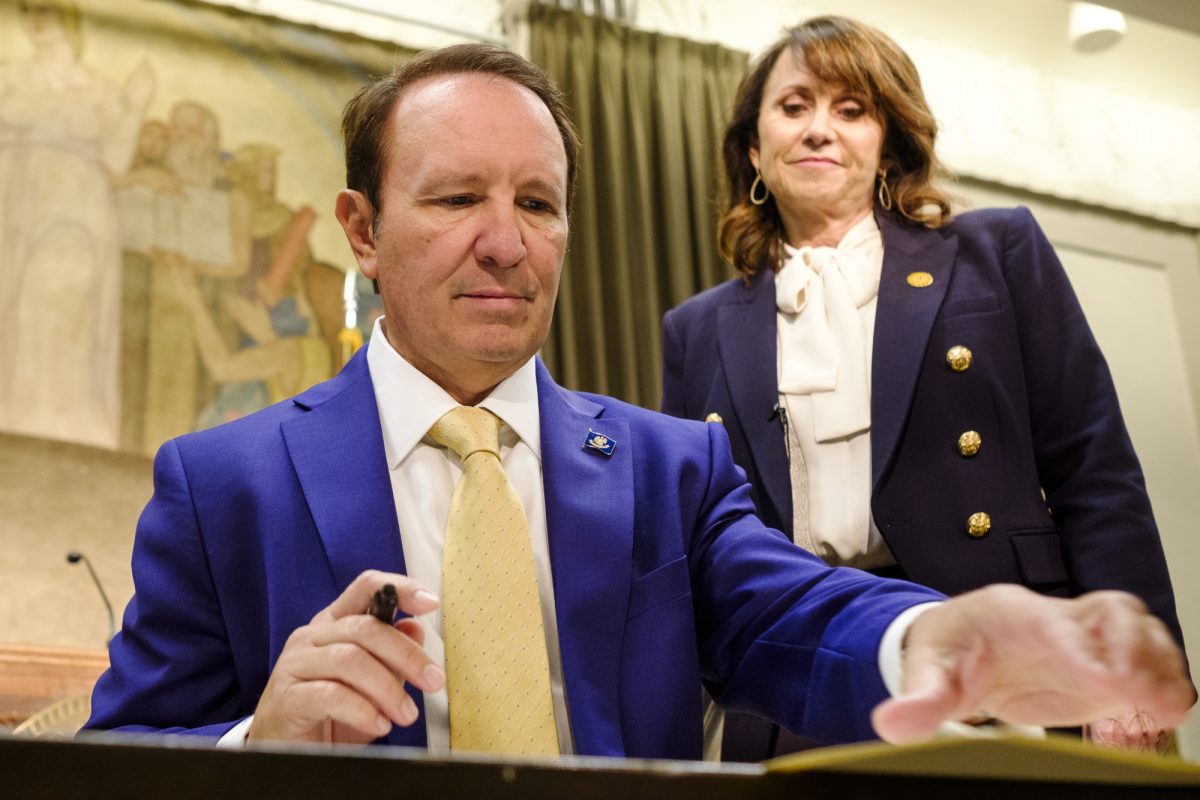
(589, 518)
(903, 322)
(337, 451)
(747, 342)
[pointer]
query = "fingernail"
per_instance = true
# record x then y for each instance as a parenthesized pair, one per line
(408, 712)
(434, 677)
(426, 597)
(383, 726)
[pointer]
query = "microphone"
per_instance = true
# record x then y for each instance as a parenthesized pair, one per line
(779, 410)
(74, 557)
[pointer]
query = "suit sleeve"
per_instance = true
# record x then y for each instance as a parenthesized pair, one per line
(1086, 462)
(171, 661)
(782, 635)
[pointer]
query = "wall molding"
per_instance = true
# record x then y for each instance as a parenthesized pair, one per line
(34, 676)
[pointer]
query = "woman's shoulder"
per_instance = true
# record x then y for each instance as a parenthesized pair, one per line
(735, 290)
(993, 222)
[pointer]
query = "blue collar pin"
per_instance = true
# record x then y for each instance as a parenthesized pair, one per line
(599, 442)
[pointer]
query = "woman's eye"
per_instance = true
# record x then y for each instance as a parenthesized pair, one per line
(792, 109)
(852, 111)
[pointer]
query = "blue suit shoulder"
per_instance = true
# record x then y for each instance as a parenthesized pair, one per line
(642, 419)
(255, 431)
(247, 428)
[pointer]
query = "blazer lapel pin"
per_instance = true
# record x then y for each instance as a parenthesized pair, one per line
(599, 442)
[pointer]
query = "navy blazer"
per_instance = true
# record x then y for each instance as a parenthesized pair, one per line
(663, 577)
(1038, 392)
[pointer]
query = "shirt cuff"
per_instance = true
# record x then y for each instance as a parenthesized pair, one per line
(235, 737)
(891, 668)
(891, 647)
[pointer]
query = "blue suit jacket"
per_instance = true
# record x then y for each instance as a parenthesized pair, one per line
(1038, 392)
(663, 577)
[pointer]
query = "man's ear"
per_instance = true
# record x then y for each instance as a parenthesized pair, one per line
(353, 211)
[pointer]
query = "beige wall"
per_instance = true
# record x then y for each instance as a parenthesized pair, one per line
(57, 498)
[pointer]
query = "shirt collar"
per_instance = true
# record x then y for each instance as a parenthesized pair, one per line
(410, 402)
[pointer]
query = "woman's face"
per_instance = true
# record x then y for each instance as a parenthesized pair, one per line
(818, 145)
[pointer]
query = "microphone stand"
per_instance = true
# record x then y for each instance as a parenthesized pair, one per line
(74, 557)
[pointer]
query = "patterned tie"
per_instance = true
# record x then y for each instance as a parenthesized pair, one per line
(497, 668)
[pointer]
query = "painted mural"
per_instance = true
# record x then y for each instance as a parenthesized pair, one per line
(168, 254)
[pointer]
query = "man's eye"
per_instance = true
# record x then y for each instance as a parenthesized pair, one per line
(458, 200)
(539, 206)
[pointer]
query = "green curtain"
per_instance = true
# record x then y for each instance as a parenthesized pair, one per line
(651, 110)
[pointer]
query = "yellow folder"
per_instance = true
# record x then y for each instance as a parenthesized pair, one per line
(1055, 758)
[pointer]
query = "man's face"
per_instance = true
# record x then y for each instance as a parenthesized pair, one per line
(194, 150)
(473, 229)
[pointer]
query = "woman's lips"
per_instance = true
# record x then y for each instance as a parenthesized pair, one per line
(813, 161)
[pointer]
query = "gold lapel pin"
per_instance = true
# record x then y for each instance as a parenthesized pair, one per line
(919, 280)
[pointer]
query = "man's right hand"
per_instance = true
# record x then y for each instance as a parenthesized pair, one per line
(341, 677)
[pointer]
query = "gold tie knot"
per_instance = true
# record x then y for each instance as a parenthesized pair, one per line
(467, 430)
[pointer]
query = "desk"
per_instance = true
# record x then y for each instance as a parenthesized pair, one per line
(180, 769)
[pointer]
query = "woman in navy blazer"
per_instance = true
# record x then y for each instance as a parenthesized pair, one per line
(990, 446)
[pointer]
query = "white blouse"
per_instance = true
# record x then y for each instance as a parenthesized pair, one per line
(826, 298)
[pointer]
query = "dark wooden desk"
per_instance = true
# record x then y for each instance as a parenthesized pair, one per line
(172, 767)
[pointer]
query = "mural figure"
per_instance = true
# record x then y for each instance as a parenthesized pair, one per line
(177, 208)
(64, 131)
(280, 349)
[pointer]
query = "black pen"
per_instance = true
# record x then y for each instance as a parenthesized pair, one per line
(383, 604)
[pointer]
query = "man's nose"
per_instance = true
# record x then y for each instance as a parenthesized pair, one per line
(500, 242)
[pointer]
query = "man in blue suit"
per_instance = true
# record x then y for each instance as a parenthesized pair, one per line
(265, 539)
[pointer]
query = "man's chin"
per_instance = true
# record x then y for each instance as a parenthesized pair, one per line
(497, 356)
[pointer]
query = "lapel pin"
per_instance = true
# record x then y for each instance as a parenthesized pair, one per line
(919, 280)
(599, 442)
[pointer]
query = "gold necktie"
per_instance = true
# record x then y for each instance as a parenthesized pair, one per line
(497, 668)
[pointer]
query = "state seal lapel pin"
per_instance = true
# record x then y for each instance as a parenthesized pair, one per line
(599, 442)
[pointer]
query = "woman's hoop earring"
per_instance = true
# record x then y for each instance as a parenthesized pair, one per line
(758, 181)
(885, 193)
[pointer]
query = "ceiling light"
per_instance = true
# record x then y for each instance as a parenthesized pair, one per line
(1093, 28)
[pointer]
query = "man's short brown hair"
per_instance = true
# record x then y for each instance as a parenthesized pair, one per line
(366, 116)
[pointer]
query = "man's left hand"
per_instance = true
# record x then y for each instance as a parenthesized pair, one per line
(1009, 653)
